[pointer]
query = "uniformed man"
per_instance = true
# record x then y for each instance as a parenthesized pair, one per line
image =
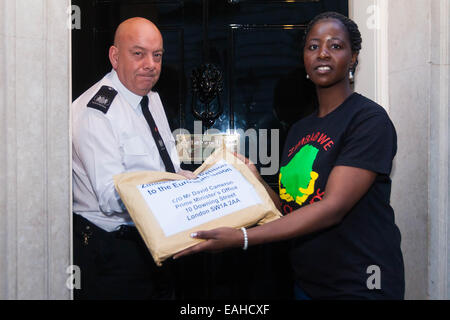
(119, 125)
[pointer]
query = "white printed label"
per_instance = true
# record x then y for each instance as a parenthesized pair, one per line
(184, 204)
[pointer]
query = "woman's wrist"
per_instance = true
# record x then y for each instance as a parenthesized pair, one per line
(245, 241)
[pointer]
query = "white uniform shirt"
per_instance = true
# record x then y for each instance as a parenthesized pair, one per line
(108, 144)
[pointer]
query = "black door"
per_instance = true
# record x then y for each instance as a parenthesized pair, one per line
(253, 48)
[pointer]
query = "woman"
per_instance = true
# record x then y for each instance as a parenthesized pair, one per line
(334, 183)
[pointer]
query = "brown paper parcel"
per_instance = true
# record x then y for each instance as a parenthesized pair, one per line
(161, 246)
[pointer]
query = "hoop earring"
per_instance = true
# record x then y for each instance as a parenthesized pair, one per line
(351, 76)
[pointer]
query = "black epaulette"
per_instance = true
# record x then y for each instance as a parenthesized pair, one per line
(103, 99)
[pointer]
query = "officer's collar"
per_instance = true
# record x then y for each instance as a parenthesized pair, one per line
(133, 99)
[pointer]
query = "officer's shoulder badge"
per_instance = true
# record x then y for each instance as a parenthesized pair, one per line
(103, 99)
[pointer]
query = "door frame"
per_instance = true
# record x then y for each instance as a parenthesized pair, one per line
(371, 77)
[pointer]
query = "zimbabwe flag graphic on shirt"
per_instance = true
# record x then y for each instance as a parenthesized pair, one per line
(297, 179)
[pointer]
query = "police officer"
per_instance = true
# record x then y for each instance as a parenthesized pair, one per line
(119, 125)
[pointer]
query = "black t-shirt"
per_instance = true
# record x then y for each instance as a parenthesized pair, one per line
(361, 256)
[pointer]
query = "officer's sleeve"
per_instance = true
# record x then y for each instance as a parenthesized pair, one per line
(98, 148)
(370, 143)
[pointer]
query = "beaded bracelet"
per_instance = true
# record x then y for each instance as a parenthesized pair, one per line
(244, 231)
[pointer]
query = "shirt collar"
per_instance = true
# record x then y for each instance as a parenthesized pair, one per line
(133, 99)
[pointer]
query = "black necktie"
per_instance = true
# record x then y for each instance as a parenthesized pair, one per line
(158, 140)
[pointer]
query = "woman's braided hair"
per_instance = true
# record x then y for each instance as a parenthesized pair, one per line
(350, 26)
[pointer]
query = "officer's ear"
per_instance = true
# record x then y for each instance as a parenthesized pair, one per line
(114, 56)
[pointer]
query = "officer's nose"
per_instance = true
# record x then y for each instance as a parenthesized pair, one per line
(149, 62)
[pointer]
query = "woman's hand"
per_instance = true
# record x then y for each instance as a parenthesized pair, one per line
(249, 164)
(216, 240)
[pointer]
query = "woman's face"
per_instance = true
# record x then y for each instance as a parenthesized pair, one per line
(328, 55)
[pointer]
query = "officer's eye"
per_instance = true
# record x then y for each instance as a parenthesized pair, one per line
(157, 56)
(137, 53)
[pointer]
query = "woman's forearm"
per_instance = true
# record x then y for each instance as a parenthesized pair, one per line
(306, 220)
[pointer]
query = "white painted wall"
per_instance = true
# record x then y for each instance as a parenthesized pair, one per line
(409, 98)
(35, 149)
(395, 71)
(439, 191)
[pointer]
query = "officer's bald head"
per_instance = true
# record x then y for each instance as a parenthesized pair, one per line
(132, 26)
(137, 54)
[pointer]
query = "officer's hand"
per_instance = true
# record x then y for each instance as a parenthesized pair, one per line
(187, 174)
